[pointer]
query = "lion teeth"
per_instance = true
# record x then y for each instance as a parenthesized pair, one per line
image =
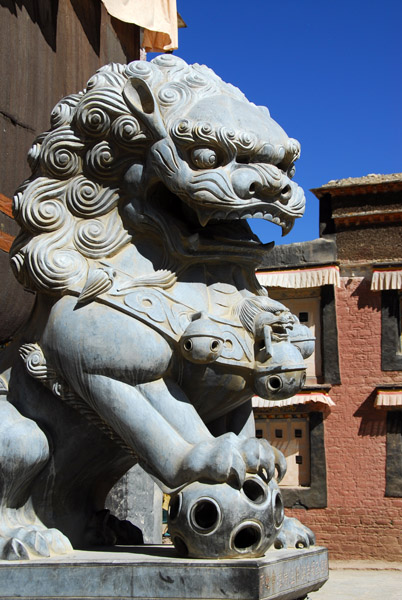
(204, 216)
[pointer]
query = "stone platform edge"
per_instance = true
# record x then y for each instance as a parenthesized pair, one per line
(155, 573)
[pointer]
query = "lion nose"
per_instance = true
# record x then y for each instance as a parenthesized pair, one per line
(246, 183)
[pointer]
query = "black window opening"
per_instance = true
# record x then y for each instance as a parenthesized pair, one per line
(391, 355)
(393, 486)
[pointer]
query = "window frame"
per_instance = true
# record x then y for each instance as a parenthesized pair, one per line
(314, 495)
(393, 467)
(329, 337)
(391, 355)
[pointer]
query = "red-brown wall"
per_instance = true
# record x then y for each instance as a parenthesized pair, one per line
(360, 522)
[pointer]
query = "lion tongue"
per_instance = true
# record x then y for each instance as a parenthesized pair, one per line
(232, 231)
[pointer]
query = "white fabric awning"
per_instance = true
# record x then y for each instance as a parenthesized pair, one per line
(157, 17)
(294, 400)
(300, 278)
(388, 399)
(386, 279)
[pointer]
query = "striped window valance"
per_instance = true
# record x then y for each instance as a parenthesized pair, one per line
(294, 400)
(388, 399)
(386, 279)
(300, 278)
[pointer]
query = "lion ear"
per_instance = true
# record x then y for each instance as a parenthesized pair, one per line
(142, 103)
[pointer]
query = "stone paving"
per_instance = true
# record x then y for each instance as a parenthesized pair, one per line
(362, 580)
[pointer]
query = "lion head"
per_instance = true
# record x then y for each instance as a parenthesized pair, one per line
(164, 148)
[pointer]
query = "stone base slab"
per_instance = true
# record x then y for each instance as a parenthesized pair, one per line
(155, 573)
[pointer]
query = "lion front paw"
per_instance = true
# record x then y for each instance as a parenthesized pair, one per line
(294, 535)
(218, 459)
(260, 456)
(229, 457)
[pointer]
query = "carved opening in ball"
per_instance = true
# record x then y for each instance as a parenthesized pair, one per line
(174, 507)
(274, 383)
(181, 546)
(255, 491)
(247, 537)
(205, 515)
(279, 513)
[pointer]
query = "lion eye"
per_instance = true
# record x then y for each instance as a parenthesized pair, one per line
(204, 158)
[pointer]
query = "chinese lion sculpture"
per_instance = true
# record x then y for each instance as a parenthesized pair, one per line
(150, 333)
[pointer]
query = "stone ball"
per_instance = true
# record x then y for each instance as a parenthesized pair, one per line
(217, 520)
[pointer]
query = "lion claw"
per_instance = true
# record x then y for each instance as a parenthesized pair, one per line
(14, 549)
(23, 543)
(262, 458)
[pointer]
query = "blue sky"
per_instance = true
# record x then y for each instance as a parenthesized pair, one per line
(329, 72)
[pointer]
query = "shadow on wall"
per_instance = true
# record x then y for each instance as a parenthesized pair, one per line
(41, 12)
(89, 14)
(366, 298)
(372, 424)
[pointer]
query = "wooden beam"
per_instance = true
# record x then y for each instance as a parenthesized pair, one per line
(6, 205)
(5, 241)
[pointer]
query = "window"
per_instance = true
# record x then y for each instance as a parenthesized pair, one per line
(315, 307)
(308, 312)
(393, 487)
(302, 443)
(305, 482)
(391, 343)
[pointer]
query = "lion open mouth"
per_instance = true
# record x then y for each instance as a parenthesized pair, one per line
(204, 227)
(179, 220)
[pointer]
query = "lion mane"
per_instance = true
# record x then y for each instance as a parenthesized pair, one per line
(68, 210)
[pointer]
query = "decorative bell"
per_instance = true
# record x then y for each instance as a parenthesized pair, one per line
(202, 341)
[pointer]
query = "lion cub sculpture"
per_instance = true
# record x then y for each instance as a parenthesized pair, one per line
(150, 333)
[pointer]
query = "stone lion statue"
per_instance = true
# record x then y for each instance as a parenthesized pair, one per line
(150, 333)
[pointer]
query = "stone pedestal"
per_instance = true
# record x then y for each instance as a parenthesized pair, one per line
(154, 572)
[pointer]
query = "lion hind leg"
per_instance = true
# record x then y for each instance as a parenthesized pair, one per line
(24, 450)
